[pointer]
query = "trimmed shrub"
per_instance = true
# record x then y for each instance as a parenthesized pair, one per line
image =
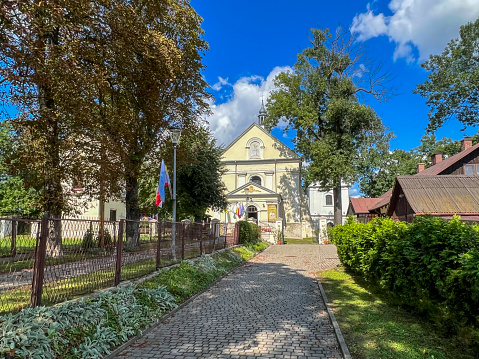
(249, 233)
(431, 264)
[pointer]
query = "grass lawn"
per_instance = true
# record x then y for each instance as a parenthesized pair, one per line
(374, 329)
(308, 240)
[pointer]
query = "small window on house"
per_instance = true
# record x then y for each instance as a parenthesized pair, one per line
(254, 149)
(112, 214)
(329, 200)
(256, 179)
(469, 170)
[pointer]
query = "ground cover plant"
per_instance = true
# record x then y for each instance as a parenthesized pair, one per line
(430, 266)
(91, 328)
(374, 327)
(308, 240)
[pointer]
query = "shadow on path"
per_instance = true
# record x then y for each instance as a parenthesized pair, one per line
(271, 307)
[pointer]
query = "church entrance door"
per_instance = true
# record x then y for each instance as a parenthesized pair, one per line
(253, 213)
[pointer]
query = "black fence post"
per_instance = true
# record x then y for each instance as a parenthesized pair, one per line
(14, 238)
(119, 253)
(158, 248)
(39, 264)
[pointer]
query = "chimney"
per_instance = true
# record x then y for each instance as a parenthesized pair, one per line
(436, 158)
(466, 143)
(420, 167)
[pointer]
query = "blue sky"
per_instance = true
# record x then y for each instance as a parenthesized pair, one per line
(251, 41)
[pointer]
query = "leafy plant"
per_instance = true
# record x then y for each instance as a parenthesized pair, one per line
(430, 265)
(249, 233)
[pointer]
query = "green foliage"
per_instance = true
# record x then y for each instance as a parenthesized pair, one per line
(15, 198)
(249, 233)
(199, 179)
(320, 100)
(375, 327)
(245, 252)
(431, 264)
(90, 240)
(451, 88)
(381, 166)
(260, 246)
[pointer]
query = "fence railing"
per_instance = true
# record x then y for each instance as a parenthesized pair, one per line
(48, 261)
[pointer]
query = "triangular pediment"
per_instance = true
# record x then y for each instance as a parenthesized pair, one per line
(254, 189)
(273, 148)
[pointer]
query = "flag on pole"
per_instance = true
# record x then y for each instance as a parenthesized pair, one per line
(164, 181)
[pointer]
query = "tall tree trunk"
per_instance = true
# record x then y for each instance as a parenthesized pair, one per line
(53, 192)
(132, 211)
(338, 207)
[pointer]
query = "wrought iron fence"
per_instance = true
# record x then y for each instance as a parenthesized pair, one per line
(52, 260)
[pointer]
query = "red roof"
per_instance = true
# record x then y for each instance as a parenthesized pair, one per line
(383, 200)
(362, 205)
(445, 164)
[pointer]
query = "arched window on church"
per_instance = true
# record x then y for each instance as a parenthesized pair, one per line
(329, 200)
(254, 149)
(256, 179)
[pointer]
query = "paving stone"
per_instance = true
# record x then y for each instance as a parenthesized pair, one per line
(269, 308)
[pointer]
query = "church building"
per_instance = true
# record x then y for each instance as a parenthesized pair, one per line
(263, 181)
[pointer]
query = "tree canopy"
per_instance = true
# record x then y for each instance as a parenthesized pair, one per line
(319, 99)
(96, 85)
(379, 170)
(15, 198)
(199, 178)
(452, 87)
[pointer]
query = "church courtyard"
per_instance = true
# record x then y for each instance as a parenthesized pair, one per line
(271, 307)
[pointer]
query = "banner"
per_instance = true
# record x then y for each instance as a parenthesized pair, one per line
(272, 212)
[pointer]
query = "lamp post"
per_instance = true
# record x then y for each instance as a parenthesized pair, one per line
(175, 133)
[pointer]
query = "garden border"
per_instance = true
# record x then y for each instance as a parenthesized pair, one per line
(156, 322)
(337, 330)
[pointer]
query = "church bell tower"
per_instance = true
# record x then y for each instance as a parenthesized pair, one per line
(262, 114)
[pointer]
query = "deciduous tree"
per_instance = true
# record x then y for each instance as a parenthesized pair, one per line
(320, 100)
(452, 87)
(97, 84)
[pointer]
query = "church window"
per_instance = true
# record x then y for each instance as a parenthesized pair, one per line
(256, 179)
(329, 200)
(255, 149)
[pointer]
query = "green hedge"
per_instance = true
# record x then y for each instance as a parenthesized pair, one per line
(431, 264)
(249, 233)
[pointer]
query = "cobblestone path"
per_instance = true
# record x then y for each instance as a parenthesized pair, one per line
(269, 308)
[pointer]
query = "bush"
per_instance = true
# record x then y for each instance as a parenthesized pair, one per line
(249, 233)
(431, 264)
(88, 241)
(107, 240)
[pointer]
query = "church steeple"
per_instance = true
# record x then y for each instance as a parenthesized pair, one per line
(262, 113)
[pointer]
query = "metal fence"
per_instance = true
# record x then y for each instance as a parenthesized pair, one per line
(48, 261)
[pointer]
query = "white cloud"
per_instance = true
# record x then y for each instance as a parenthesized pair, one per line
(427, 25)
(221, 82)
(354, 192)
(231, 118)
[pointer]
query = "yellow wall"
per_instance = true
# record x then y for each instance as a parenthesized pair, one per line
(279, 169)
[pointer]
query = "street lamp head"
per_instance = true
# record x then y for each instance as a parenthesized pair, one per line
(175, 133)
